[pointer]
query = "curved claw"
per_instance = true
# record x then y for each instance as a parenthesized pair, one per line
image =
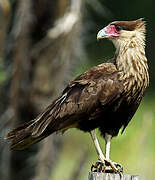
(116, 167)
(98, 166)
(107, 166)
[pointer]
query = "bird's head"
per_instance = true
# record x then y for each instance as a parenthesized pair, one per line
(123, 31)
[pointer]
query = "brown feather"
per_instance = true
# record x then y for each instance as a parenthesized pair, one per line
(130, 25)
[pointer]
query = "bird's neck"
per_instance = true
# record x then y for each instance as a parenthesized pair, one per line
(132, 62)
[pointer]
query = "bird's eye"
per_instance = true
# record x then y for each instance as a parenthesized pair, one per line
(118, 28)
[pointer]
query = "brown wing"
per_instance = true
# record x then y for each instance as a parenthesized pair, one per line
(99, 85)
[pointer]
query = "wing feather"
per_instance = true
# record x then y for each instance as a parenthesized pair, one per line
(99, 85)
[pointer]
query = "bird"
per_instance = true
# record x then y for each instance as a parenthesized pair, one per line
(105, 97)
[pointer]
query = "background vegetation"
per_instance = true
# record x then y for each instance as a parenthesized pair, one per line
(34, 68)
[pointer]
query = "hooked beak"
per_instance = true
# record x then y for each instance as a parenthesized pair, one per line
(102, 34)
(109, 32)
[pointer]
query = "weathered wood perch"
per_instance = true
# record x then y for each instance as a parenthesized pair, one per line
(111, 176)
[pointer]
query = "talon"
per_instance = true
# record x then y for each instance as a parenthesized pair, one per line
(98, 166)
(121, 175)
(107, 167)
(117, 168)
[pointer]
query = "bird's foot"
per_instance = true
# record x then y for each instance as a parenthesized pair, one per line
(107, 167)
(97, 167)
(115, 167)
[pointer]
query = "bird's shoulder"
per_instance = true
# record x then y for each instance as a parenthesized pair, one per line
(104, 71)
(98, 83)
(98, 71)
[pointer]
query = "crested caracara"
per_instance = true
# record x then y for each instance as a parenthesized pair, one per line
(105, 97)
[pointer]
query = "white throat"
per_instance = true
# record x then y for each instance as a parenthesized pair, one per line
(130, 57)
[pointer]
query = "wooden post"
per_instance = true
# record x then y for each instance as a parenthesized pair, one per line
(111, 176)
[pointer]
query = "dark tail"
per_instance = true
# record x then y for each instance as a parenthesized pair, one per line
(34, 131)
(21, 137)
